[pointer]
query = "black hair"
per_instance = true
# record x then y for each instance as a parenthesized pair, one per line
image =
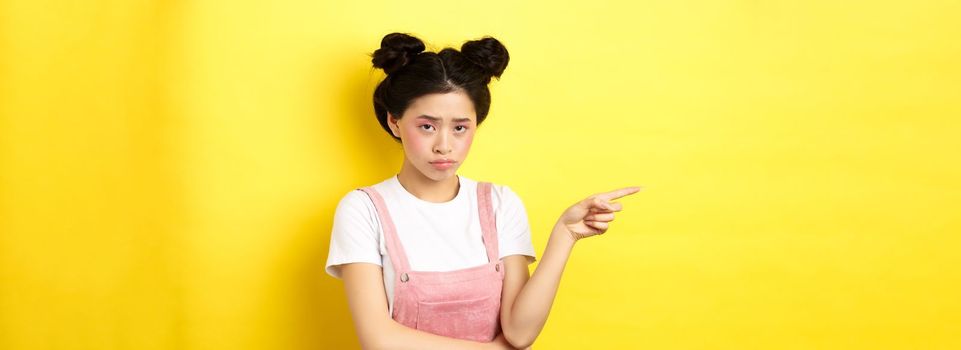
(412, 73)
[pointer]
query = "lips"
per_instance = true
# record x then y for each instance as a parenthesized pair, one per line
(442, 164)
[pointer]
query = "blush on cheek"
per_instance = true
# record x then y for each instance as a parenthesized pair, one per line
(463, 146)
(414, 141)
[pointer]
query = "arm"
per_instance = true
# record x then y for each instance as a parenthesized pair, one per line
(525, 303)
(366, 299)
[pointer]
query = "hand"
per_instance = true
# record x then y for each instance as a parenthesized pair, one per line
(591, 216)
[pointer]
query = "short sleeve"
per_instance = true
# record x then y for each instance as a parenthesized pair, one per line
(513, 229)
(355, 233)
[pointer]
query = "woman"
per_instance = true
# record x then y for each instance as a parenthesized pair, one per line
(434, 260)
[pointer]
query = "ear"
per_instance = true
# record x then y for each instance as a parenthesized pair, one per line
(392, 123)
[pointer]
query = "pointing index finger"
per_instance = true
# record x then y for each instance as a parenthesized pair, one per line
(618, 193)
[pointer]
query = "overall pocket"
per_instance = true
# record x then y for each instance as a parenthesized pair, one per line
(475, 319)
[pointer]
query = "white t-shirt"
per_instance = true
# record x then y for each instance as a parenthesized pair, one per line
(436, 236)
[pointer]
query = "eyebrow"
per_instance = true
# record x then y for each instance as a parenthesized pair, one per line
(457, 120)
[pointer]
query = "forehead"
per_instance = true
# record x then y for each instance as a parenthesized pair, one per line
(448, 107)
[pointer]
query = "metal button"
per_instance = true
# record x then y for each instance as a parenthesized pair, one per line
(403, 277)
(497, 267)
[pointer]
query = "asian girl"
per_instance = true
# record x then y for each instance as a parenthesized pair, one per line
(434, 260)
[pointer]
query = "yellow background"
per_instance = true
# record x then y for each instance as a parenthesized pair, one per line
(169, 169)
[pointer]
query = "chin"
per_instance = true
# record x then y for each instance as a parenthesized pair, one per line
(438, 175)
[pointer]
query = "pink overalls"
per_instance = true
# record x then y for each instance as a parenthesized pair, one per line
(462, 303)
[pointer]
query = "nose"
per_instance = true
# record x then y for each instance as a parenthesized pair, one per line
(442, 145)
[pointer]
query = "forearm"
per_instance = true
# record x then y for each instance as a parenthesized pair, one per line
(397, 336)
(529, 312)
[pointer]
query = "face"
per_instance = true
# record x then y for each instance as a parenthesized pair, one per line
(437, 131)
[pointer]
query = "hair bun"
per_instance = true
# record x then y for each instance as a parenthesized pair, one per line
(396, 50)
(488, 53)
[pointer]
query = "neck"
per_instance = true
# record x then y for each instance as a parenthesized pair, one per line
(425, 188)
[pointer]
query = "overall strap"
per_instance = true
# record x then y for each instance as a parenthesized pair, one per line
(394, 248)
(487, 220)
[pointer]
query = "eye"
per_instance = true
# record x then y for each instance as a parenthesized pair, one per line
(462, 126)
(427, 125)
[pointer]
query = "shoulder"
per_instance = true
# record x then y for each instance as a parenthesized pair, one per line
(353, 199)
(355, 205)
(503, 196)
(356, 218)
(502, 191)
(357, 199)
